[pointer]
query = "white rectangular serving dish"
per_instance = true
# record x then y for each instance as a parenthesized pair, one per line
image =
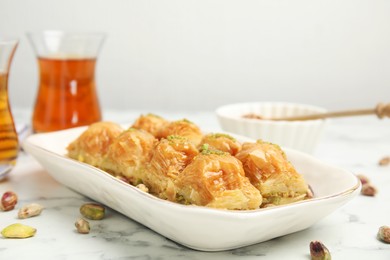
(197, 227)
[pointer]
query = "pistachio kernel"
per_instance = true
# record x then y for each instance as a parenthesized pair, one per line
(9, 200)
(318, 251)
(92, 211)
(384, 161)
(384, 234)
(18, 230)
(82, 226)
(368, 190)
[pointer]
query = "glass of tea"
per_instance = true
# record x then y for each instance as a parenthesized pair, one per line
(67, 95)
(9, 145)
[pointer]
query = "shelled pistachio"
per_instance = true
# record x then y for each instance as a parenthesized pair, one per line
(8, 200)
(318, 251)
(18, 230)
(368, 190)
(384, 234)
(92, 211)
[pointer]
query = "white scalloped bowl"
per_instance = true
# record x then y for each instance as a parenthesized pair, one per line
(299, 135)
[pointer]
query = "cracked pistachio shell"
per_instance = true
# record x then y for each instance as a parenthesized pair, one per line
(30, 210)
(82, 226)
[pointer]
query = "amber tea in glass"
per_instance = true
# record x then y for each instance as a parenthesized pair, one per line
(67, 95)
(9, 145)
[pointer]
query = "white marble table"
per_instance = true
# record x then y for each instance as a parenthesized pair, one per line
(356, 144)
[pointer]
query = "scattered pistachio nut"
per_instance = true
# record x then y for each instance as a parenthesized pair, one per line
(143, 187)
(384, 234)
(92, 211)
(363, 179)
(18, 230)
(318, 251)
(8, 200)
(82, 226)
(30, 210)
(384, 161)
(368, 190)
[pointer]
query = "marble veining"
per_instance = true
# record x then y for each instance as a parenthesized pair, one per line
(350, 232)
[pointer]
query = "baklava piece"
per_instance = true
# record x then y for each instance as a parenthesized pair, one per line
(267, 167)
(150, 123)
(128, 154)
(216, 179)
(169, 157)
(182, 128)
(92, 145)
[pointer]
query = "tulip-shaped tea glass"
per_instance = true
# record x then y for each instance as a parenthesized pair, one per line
(67, 95)
(9, 145)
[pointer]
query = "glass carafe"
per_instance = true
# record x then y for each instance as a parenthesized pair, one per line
(9, 145)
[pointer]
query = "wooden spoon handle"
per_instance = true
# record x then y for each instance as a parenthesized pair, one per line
(381, 110)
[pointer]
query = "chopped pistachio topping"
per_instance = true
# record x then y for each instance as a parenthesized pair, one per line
(220, 135)
(204, 147)
(205, 150)
(173, 138)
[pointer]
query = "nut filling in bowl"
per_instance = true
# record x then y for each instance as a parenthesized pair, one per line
(250, 119)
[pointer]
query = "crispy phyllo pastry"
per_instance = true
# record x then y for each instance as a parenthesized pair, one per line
(216, 179)
(174, 161)
(183, 128)
(222, 142)
(128, 155)
(150, 123)
(169, 157)
(92, 145)
(266, 166)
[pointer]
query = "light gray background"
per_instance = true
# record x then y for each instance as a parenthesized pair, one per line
(197, 55)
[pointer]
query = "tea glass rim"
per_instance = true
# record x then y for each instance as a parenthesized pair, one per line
(62, 33)
(8, 40)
